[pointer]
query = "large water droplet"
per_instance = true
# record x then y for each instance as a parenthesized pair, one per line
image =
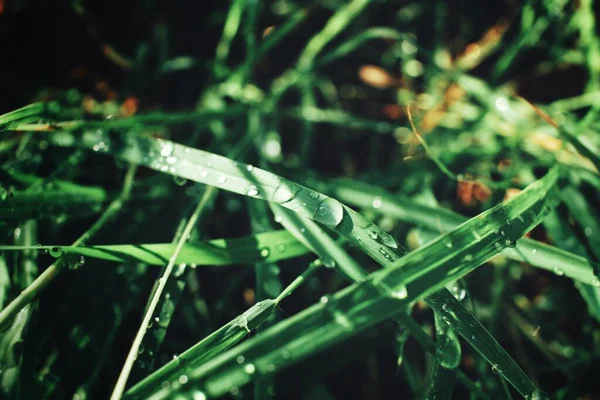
(221, 179)
(285, 192)
(56, 251)
(559, 271)
(400, 293)
(329, 212)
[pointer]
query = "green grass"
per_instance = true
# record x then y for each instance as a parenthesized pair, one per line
(425, 215)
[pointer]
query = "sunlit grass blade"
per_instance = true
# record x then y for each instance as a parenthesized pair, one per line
(218, 252)
(219, 341)
(441, 220)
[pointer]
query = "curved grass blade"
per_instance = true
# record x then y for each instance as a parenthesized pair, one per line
(216, 343)
(536, 253)
(419, 274)
(218, 252)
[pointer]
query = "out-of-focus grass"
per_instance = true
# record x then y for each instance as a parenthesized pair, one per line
(419, 115)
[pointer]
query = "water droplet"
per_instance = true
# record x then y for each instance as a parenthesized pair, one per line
(249, 368)
(281, 248)
(328, 262)
(476, 235)
(377, 203)
(384, 253)
(329, 212)
(56, 251)
(468, 257)
(373, 235)
(313, 195)
(183, 379)
(249, 167)
(445, 307)
(324, 300)
(534, 251)
(240, 359)
(400, 293)
(496, 369)
(179, 181)
(264, 253)
(221, 179)
(234, 391)
(448, 242)
(251, 191)
(171, 160)
(498, 246)
(167, 149)
(559, 271)
(203, 174)
(388, 240)
(595, 282)
(510, 243)
(285, 192)
(278, 219)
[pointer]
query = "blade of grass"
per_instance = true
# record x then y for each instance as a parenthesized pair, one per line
(218, 252)
(442, 220)
(216, 343)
